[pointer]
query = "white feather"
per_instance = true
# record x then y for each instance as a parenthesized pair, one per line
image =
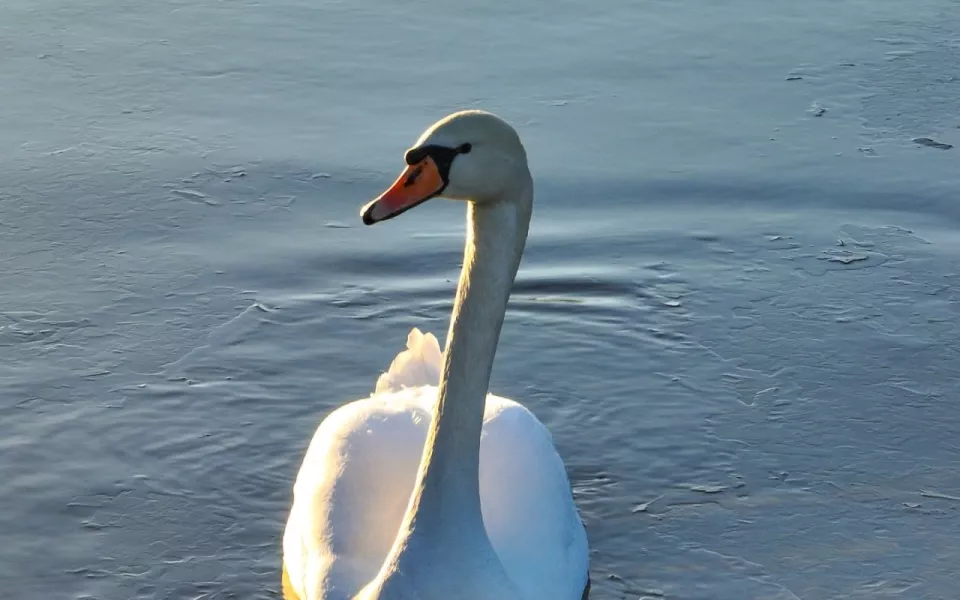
(418, 365)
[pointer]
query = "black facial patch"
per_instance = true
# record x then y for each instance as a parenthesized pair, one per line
(441, 155)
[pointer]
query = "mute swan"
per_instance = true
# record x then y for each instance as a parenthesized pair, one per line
(431, 488)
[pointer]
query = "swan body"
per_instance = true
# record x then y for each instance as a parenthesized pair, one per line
(432, 488)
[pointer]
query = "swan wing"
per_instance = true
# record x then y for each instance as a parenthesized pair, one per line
(351, 492)
(528, 508)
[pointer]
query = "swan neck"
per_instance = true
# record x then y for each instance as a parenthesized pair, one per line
(447, 496)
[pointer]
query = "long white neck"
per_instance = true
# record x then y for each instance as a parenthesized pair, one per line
(444, 511)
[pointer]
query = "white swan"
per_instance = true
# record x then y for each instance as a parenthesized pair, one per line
(433, 493)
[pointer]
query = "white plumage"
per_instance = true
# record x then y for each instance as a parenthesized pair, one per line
(357, 476)
(432, 488)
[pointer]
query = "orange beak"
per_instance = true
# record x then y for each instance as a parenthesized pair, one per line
(417, 184)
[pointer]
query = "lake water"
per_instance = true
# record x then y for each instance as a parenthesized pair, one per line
(738, 312)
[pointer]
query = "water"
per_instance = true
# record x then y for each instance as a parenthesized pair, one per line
(737, 317)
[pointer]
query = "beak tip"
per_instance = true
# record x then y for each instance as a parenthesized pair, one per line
(366, 214)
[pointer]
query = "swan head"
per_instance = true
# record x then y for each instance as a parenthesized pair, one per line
(470, 155)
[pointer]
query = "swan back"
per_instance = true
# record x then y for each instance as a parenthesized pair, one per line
(357, 476)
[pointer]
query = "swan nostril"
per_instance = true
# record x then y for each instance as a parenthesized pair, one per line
(413, 177)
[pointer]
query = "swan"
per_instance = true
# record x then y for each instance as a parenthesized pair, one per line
(432, 488)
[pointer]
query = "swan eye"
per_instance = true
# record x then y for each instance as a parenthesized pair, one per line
(464, 148)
